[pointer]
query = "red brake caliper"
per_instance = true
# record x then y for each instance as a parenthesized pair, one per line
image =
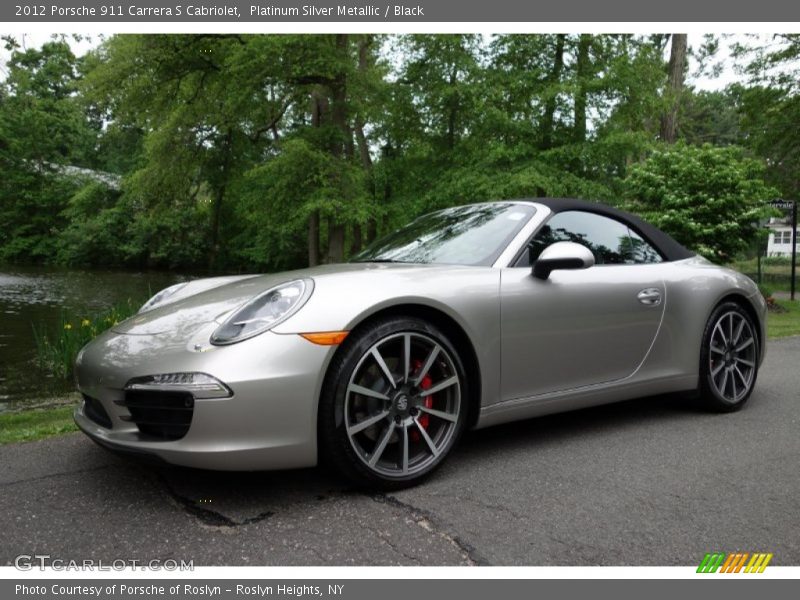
(425, 384)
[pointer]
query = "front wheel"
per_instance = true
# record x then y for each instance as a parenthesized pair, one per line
(729, 358)
(394, 403)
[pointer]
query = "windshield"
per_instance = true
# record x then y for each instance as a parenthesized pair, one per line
(463, 235)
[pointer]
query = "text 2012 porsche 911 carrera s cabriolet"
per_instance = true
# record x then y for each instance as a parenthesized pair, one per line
(467, 317)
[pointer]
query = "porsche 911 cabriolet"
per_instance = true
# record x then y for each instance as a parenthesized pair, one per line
(467, 317)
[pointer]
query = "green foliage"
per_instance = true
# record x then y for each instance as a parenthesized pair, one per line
(30, 211)
(279, 196)
(42, 128)
(708, 198)
(769, 120)
(56, 350)
(769, 104)
(261, 152)
(491, 179)
(711, 118)
(96, 223)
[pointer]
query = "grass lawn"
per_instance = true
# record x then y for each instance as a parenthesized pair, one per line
(35, 424)
(784, 323)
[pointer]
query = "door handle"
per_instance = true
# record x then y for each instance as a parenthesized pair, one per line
(650, 297)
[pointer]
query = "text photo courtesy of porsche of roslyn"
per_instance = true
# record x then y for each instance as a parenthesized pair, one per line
(348, 302)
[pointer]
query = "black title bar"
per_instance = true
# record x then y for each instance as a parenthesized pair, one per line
(437, 11)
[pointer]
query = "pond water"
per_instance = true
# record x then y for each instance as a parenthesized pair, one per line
(38, 296)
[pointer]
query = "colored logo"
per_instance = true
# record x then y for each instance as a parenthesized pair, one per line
(734, 562)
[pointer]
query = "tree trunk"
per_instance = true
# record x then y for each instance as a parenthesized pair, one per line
(219, 197)
(341, 147)
(582, 70)
(213, 252)
(677, 73)
(319, 106)
(313, 239)
(388, 156)
(335, 242)
(372, 230)
(366, 161)
(452, 115)
(363, 147)
(319, 110)
(363, 65)
(553, 79)
(339, 106)
(356, 240)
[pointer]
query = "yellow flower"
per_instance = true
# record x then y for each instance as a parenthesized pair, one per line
(67, 325)
(116, 322)
(85, 323)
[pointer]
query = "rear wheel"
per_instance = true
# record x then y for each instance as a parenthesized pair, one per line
(729, 358)
(394, 404)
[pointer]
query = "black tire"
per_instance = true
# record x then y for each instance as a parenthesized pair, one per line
(408, 428)
(728, 371)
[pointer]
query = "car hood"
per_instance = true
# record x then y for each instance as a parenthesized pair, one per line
(184, 316)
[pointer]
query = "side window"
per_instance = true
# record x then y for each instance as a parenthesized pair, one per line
(611, 242)
(640, 251)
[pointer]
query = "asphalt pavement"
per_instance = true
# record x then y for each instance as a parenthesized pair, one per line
(655, 481)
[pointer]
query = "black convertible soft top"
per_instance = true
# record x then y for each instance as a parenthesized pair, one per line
(668, 248)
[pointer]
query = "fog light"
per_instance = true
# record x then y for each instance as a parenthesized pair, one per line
(200, 385)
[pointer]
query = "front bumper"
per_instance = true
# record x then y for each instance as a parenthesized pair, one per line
(270, 421)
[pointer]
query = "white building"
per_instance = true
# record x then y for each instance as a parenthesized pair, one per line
(780, 238)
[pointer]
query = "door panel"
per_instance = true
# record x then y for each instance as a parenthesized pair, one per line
(577, 328)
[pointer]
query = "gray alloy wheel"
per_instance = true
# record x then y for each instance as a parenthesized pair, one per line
(732, 356)
(402, 404)
(394, 403)
(729, 358)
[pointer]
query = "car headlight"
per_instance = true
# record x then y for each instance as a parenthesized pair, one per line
(263, 312)
(162, 296)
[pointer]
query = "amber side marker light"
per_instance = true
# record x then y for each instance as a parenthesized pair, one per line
(326, 338)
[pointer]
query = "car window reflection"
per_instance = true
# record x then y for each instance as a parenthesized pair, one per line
(465, 235)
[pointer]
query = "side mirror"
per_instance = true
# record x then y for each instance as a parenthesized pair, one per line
(562, 255)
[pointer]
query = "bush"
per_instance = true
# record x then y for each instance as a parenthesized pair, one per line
(707, 198)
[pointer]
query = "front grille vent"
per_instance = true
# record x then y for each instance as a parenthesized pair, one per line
(93, 409)
(158, 414)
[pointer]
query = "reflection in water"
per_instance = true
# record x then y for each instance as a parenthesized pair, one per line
(38, 296)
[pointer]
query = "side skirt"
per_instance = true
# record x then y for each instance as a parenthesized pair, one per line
(575, 399)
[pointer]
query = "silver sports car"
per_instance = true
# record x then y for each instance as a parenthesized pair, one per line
(467, 317)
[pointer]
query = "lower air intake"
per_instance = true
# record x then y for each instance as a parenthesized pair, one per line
(93, 409)
(162, 415)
